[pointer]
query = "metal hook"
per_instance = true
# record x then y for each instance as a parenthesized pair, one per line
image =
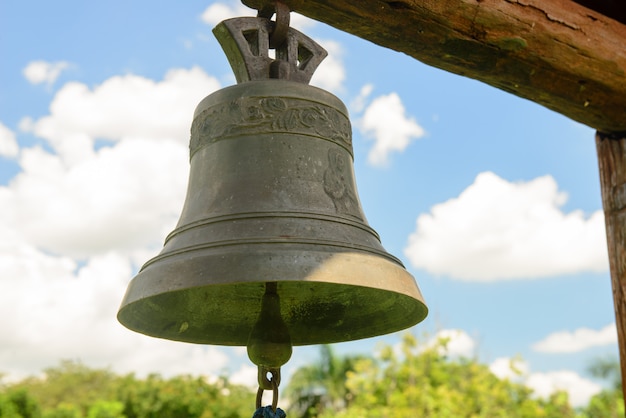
(280, 28)
(278, 36)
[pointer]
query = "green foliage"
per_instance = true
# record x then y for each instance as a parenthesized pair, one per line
(610, 402)
(321, 387)
(64, 410)
(606, 404)
(182, 396)
(106, 409)
(18, 403)
(607, 368)
(418, 382)
(7, 408)
(71, 383)
(73, 390)
(424, 382)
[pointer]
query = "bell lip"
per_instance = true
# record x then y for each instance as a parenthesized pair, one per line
(395, 301)
(270, 88)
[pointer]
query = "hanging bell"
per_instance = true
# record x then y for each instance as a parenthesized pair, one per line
(271, 204)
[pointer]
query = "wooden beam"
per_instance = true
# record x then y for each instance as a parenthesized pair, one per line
(612, 162)
(554, 52)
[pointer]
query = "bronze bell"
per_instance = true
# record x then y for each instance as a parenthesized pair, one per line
(272, 216)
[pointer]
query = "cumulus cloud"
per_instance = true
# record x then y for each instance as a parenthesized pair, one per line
(578, 340)
(579, 389)
(360, 101)
(331, 73)
(385, 122)
(123, 106)
(76, 222)
(457, 343)
(245, 376)
(217, 12)
(38, 72)
(496, 230)
(123, 197)
(81, 200)
(509, 368)
(70, 309)
(8, 143)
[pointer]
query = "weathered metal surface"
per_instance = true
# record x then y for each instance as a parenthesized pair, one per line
(246, 42)
(271, 198)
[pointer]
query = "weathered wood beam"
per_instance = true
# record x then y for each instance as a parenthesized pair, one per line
(554, 52)
(612, 162)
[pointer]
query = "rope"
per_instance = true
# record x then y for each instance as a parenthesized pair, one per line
(268, 412)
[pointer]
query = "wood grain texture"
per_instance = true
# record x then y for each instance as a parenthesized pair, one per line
(612, 163)
(554, 52)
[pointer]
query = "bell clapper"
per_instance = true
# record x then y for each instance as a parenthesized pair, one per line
(269, 344)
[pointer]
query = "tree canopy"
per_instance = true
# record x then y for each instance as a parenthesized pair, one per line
(73, 390)
(413, 379)
(419, 380)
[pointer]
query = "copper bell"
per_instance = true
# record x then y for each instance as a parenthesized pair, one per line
(272, 216)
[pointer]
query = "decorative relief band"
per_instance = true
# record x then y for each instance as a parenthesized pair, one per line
(260, 115)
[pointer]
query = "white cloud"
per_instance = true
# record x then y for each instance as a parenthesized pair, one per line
(37, 72)
(496, 230)
(359, 102)
(26, 124)
(123, 198)
(578, 340)
(219, 11)
(331, 73)
(248, 376)
(457, 343)
(109, 207)
(123, 106)
(580, 390)
(8, 143)
(509, 368)
(129, 194)
(55, 309)
(385, 121)
(245, 376)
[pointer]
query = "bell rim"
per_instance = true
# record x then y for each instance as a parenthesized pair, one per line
(399, 302)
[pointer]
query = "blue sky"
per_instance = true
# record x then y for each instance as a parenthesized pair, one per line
(491, 201)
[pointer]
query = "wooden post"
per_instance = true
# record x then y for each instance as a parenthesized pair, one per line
(611, 150)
